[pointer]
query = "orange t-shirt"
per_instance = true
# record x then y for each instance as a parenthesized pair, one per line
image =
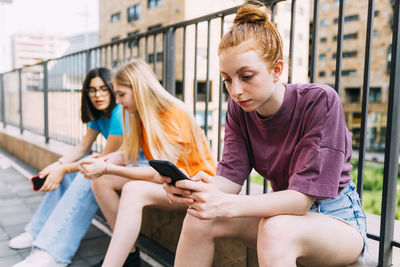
(182, 134)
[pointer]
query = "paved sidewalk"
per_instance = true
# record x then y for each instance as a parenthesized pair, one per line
(18, 202)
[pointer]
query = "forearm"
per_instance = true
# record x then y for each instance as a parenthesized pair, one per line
(266, 205)
(75, 154)
(71, 167)
(134, 173)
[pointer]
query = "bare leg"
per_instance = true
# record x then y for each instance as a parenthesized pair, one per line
(135, 195)
(313, 240)
(106, 195)
(196, 243)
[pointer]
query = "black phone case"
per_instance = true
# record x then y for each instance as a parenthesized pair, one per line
(37, 182)
(167, 168)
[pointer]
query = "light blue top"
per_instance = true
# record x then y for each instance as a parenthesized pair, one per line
(111, 125)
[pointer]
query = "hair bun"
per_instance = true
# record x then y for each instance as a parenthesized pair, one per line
(252, 13)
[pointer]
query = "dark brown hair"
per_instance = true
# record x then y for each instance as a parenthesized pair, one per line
(253, 22)
(88, 111)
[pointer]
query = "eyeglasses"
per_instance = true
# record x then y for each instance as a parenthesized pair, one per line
(92, 91)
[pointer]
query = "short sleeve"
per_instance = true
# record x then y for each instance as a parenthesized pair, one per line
(235, 163)
(94, 125)
(116, 126)
(319, 157)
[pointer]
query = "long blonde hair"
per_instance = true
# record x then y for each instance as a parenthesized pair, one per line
(253, 22)
(152, 100)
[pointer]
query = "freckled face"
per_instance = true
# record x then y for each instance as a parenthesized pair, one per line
(125, 97)
(248, 79)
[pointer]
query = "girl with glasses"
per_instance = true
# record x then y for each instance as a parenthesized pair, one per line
(66, 211)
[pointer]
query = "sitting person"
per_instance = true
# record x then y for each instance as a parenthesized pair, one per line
(295, 136)
(168, 131)
(66, 211)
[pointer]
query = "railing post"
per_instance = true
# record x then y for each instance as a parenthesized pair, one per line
(3, 109)
(46, 101)
(313, 62)
(88, 61)
(391, 150)
(170, 64)
(21, 126)
(339, 47)
(365, 97)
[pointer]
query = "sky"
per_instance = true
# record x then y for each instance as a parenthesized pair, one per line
(50, 17)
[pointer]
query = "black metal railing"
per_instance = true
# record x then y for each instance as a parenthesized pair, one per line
(44, 98)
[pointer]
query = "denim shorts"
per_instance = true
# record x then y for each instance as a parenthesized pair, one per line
(345, 207)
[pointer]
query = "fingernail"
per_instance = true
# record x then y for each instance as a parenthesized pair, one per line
(170, 201)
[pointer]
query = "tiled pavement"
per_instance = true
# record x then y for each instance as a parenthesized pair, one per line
(18, 203)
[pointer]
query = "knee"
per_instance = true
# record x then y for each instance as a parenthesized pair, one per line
(202, 229)
(99, 184)
(135, 192)
(275, 232)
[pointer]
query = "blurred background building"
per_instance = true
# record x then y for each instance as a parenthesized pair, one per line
(119, 19)
(354, 36)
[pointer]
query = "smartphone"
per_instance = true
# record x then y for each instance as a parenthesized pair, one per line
(37, 182)
(167, 168)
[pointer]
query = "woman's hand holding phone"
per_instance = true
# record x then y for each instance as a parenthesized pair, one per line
(53, 178)
(202, 197)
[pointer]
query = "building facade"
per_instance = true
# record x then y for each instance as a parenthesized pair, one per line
(354, 43)
(121, 19)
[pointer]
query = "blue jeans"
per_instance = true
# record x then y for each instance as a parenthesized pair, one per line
(63, 217)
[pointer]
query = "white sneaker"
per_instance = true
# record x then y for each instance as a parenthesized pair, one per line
(21, 241)
(39, 258)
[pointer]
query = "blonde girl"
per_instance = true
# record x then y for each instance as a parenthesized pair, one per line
(159, 124)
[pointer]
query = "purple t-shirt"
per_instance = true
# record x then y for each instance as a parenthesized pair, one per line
(305, 146)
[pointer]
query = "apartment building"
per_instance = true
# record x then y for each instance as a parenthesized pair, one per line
(122, 18)
(354, 42)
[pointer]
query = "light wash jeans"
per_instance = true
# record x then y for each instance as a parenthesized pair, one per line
(63, 217)
(65, 214)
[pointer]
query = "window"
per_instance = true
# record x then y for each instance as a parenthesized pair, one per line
(323, 23)
(133, 13)
(322, 57)
(353, 94)
(114, 39)
(347, 18)
(159, 57)
(347, 36)
(115, 17)
(389, 59)
(322, 40)
(345, 72)
(154, 27)
(153, 3)
(376, 13)
(133, 42)
(201, 91)
(348, 72)
(346, 54)
(321, 74)
(375, 95)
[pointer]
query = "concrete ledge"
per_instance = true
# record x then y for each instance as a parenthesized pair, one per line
(31, 148)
